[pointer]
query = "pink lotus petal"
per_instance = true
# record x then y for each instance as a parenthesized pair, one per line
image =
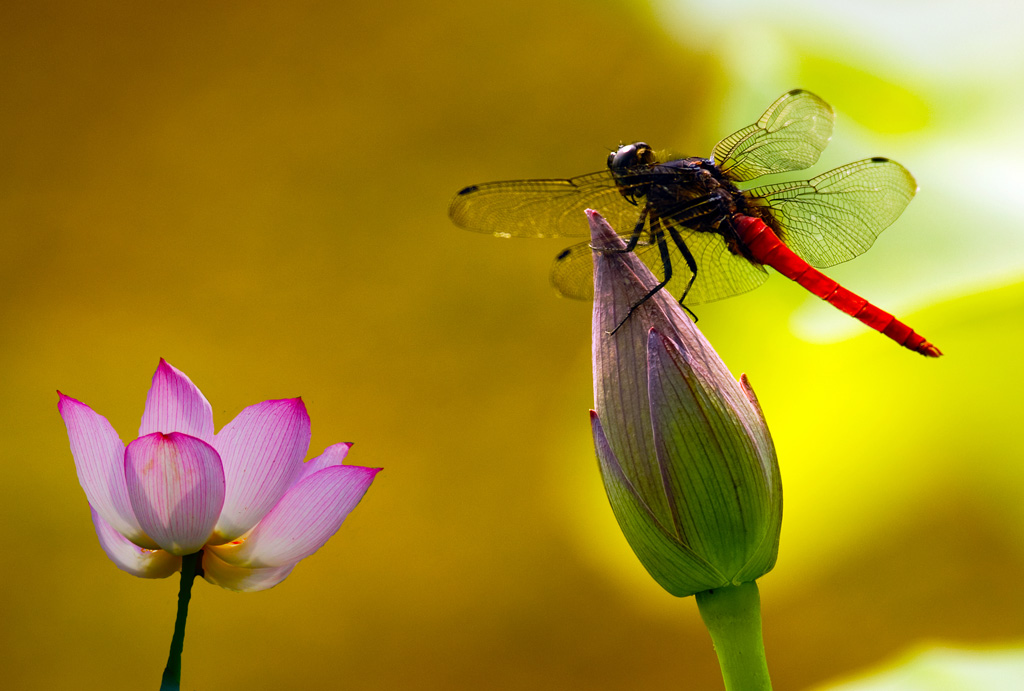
(240, 578)
(332, 455)
(174, 404)
(262, 450)
(99, 460)
(306, 517)
(144, 563)
(176, 487)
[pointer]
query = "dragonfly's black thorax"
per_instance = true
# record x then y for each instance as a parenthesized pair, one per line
(692, 192)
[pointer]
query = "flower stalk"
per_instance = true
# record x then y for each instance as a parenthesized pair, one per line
(733, 617)
(190, 567)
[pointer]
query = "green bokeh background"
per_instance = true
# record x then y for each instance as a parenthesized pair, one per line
(257, 192)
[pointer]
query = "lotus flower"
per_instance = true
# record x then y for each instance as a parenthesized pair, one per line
(243, 496)
(686, 457)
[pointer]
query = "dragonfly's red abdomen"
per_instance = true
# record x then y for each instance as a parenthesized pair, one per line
(766, 247)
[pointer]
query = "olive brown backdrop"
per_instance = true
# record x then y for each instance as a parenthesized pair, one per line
(257, 192)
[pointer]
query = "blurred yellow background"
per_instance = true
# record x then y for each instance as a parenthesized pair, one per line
(257, 192)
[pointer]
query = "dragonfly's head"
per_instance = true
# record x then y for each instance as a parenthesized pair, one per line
(629, 156)
(627, 166)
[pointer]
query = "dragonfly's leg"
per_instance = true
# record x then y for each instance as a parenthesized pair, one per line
(634, 238)
(666, 262)
(691, 263)
(638, 229)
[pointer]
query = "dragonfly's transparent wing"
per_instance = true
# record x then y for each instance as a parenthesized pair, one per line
(837, 215)
(542, 208)
(720, 273)
(572, 273)
(790, 135)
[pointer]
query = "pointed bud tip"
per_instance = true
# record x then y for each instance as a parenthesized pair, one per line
(602, 234)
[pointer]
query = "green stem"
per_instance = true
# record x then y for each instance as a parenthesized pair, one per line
(171, 681)
(733, 617)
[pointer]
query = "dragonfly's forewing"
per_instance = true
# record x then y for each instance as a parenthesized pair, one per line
(790, 135)
(837, 215)
(542, 208)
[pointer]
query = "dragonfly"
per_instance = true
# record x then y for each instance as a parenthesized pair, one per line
(703, 235)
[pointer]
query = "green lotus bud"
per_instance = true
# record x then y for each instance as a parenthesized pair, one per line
(686, 457)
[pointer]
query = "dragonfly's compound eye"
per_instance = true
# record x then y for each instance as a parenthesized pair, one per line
(630, 155)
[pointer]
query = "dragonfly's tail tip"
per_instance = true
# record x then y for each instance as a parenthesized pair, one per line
(928, 350)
